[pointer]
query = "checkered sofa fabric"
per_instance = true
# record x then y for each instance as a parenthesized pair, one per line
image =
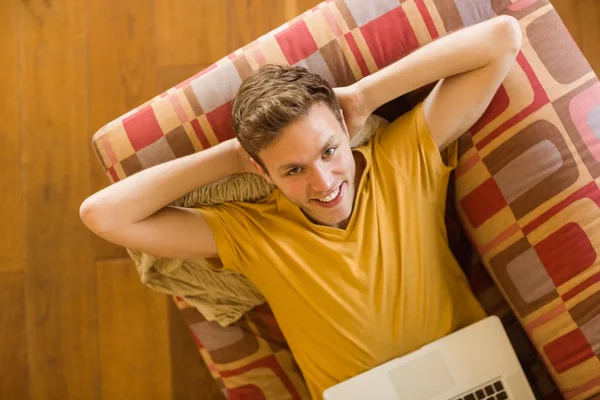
(526, 186)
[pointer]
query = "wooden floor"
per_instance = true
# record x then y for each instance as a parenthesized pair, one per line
(75, 323)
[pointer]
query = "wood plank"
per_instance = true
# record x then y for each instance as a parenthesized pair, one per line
(122, 76)
(291, 9)
(582, 19)
(11, 201)
(589, 22)
(191, 378)
(59, 275)
(167, 77)
(251, 19)
(200, 32)
(13, 348)
(568, 11)
(304, 5)
(133, 329)
(190, 32)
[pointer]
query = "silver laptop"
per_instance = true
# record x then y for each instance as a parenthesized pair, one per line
(474, 363)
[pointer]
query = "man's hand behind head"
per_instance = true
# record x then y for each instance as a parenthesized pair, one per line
(354, 111)
(243, 159)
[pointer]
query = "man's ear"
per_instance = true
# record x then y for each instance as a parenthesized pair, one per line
(260, 171)
(344, 124)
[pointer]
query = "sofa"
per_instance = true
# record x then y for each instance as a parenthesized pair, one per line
(524, 202)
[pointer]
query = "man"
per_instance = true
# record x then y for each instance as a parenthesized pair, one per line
(350, 250)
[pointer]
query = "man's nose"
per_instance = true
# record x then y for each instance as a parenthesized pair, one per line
(322, 179)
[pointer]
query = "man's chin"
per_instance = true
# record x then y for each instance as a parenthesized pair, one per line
(334, 218)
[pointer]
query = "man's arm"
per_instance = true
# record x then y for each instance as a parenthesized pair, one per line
(470, 64)
(134, 212)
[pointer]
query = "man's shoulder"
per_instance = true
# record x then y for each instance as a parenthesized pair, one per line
(250, 208)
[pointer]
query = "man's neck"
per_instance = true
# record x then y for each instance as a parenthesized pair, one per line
(360, 163)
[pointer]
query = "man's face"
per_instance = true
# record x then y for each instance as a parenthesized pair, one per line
(311, 162)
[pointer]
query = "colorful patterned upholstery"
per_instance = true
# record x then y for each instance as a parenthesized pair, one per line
(526, 186)
(528, 196)
(248, 359)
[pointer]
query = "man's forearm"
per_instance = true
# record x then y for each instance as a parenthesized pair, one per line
(144, 193)
(465, 50)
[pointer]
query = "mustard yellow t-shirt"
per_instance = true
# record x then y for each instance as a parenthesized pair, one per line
(349, 300)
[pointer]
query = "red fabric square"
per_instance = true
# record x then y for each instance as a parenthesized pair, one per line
(296, 42)
(390, 37)
(499, 104)
(483, 202)
(566, 253)
(220, 120)
(142, 128)
(568, 351)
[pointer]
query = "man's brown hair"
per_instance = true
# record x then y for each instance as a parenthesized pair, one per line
(271, 98)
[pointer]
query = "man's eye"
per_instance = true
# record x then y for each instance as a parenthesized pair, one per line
(330, 151)
(294, 171)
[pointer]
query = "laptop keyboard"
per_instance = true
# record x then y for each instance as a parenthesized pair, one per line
(490, 391)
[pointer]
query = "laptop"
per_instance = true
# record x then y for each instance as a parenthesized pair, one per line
(474, 363)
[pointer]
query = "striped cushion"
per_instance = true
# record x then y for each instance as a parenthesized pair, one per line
(527, 183)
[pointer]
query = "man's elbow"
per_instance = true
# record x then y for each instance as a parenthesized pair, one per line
(509, 34)
(88, 213)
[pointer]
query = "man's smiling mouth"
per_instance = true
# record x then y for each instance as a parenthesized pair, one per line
(332, 196)
(332, 199)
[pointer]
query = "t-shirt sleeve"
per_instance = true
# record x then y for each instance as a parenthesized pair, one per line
(230, 227)
(408, 145)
